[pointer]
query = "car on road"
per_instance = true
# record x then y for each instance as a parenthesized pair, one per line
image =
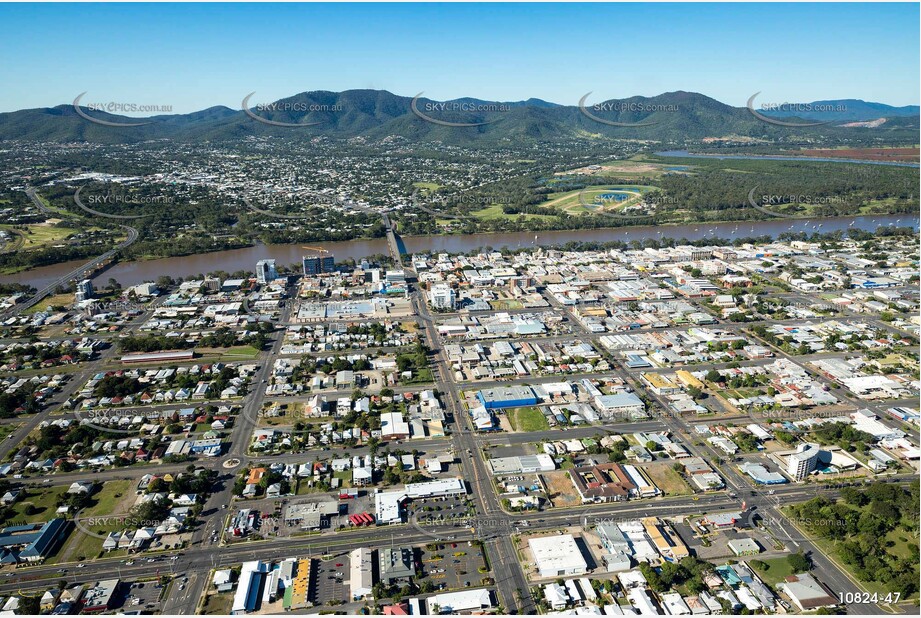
(81, 565)
(338, 564)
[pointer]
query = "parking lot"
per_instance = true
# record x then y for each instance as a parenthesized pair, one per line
(140, 597)
(452, 566)
(444, 509)
(332, 577)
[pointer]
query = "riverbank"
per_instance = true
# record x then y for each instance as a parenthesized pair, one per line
(131, 273)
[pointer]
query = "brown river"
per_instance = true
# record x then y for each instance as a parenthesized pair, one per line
(131, 273)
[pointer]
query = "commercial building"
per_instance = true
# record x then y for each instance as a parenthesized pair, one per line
(803, 461)
(99, 597)
(744, 547)
(31, 542)
(806, 592)
(443, 298)
(84, 290)
(318, 264)
(361, 573)
(557, 555)
(620, 405)
(617, 548)
(761, 475)
(393, 427)
(506, 397)
(159, 357)
(668, 544)
(395, 565)
(472, 601)
(310, 515)
(249, 587)
(522, 464)
(388, 505)
(602, 483)
(266, 271)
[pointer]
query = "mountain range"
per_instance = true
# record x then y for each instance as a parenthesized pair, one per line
(669, 117)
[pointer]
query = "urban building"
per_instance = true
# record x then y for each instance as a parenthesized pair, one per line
(318, 264)
(443, 298)
(557, 555)
(803, 461)
(266, 271)
(84, 291)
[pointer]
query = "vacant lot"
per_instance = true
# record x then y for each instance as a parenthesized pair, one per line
(667, 479)
(55, 300)
(774, 570)
(114, 497)
(560, 490)
(218, 603)
(527, 419)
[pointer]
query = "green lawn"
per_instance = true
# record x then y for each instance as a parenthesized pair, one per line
(527, 419)
(420, 376)
(495, 212)
(38, 236)
(106, 499)
(571, 203)
(51, 301)
(236, 353)
(775, 572)
(44, 503)
(427, 186)
(7, 429)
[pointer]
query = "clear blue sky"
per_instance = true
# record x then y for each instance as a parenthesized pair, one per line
(193, 56)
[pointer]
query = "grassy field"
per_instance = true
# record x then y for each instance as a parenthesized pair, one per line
(239, 353)
(220, 603)
(571, 203)
(635, 168)
(44, 503)
(495, 212)
(110, 499)
(7, 429)
(527, 419)
(667, 479)
(39, 235)
(775, 571)
(51, 301)
(427, 186)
